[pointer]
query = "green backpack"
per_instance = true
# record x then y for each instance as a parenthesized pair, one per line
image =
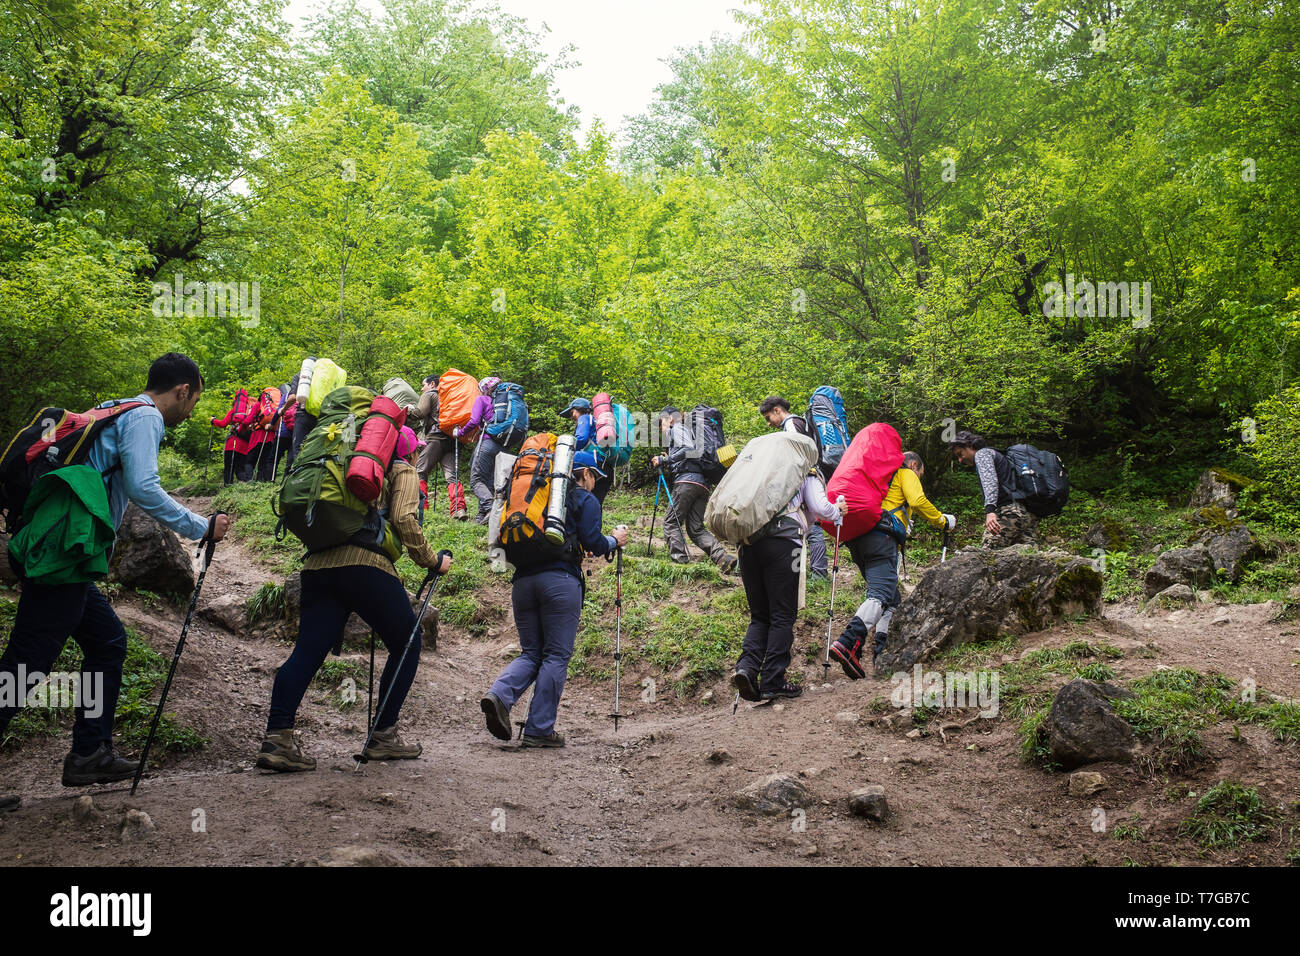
(313, 502)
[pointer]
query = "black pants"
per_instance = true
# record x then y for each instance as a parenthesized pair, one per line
(47, 616)
(329, 597)
(234, 467)
(268, 466)
(602, 487)
(769, 569)
(302, 425)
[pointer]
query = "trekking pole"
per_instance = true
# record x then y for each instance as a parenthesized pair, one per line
(211, 436)
(649, 550)
(618, 636)
(947, 543)
(830, 612)
(433, 576)
(180, 644)
(370, 693)
(275, 467)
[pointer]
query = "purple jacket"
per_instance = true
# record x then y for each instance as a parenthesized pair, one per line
(480, 414)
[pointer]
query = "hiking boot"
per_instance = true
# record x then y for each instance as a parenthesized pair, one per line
(10, 804)
(552, 739)
(103, 766)
(387, 745)
(482, 517)
(280, 752)
(461, 515)
(730, 567)
(498, 717)
(847, 655)
(784, 689)
(743, 681)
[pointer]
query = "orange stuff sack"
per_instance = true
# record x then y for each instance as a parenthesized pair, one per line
(457, 392)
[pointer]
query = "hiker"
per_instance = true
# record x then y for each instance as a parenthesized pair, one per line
(125, 453)
(501, 419)
(547, 597)
(236, 451)
(1006, 520)
(266, 424)
(876, 555)
(288, 418)
(776, 412)
(439, 447)
(769, 568)
(352, 578)
(579, 411)
(690, 495)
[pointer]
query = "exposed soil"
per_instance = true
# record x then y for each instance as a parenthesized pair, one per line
(658, 791)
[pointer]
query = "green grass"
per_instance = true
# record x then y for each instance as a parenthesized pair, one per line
(143, 674)
(1228, 814)
(267, 603)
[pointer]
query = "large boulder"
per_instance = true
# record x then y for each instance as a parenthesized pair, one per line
(1191, 566)
(1230, 551)
(1082, 726)
(149, 557)
(1217, 488)
(977, 595)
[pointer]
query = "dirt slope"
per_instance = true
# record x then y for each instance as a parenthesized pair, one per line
(656, 792)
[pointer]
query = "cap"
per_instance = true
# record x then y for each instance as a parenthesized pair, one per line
(586, 459)
(581, 404)
(486, 385)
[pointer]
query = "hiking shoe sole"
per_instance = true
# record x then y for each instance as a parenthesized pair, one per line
(384, 753)
(850, 666)
(555, 740)
(282, 764)
(744, 685)
(498, 718)
(10, 804)
(93, 779)
(783, 693)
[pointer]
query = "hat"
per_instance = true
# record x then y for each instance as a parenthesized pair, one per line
(581, 404)
(486, 385)
(586, 459)
(407, 442)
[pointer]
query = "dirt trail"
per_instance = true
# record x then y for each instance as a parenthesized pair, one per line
(657, 791)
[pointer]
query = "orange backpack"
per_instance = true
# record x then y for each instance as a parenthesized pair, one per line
(270, 405)
(523, 517)
(457, 392)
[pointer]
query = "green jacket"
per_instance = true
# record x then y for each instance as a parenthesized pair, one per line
(69, 531)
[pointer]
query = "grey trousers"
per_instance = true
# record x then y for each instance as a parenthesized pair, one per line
(689, 502)
(481, 472)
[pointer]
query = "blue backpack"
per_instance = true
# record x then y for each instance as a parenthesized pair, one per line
(828, 424)
(509, 425)
(620, 453)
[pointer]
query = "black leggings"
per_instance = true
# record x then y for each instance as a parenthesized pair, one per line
(329, 597)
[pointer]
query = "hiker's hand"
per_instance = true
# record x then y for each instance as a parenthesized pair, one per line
(655, 461)
(455, 432)
(445, 564)
(950, 522)
(620, 535)
(842, 505)
(220, 525)
(992, 524)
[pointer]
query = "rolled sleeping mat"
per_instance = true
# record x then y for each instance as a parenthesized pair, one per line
(304, 379)
(375, 447)
(561, 475)
(602, 411)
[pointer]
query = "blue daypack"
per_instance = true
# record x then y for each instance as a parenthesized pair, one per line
(828, 423)
(509, 425)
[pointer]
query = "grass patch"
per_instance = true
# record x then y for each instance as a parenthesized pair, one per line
(267, 603)
(1228, 814)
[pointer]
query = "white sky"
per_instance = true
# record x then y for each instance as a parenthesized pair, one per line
(619, 45)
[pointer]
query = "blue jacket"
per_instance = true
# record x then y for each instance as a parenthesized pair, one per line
(585, 433)
(584, 530)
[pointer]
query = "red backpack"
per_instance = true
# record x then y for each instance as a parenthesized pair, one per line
(863, 476)
(56, 437)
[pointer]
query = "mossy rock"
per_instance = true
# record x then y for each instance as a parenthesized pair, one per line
(1232, 478)
(1216, 517)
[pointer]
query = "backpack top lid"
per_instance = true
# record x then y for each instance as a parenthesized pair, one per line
(457, 393)
(863, 476)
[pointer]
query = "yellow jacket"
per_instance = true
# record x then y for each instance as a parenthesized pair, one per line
(905, 496)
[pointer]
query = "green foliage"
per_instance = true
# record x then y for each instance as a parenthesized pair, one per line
(1229, 813)
(267, 602)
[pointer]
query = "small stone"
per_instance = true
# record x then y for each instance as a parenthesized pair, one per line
(810, 850)
(778, 707)
(718, 756)
(1084, 783)
(914, 734)
(870, 802)
(847, 717)
(1221, 619)
(707, 697)
(84, 810)
(773, 794)
(136, 826)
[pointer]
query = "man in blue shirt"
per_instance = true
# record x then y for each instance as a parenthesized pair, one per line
(584, 437)
(126, 453)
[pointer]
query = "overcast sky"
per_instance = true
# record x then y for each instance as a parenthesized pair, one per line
(619, 45)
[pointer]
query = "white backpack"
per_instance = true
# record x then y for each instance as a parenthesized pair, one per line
(759, 485)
